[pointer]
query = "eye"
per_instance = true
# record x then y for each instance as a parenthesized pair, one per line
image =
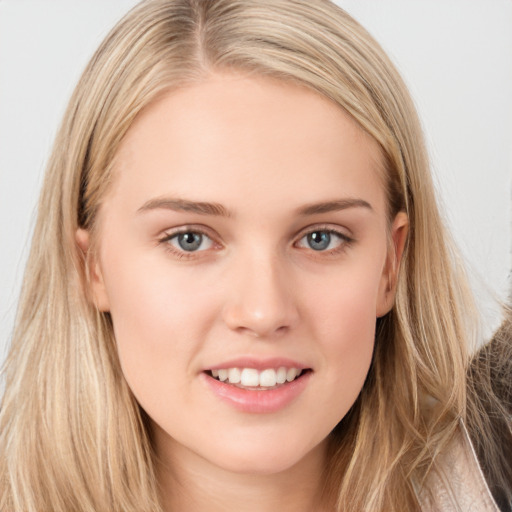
(323, 240)
(189, 241)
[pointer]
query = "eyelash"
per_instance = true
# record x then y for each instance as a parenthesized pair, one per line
(186, 229)
(345, 241)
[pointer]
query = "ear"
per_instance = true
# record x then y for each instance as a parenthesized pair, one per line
(387, 289)
(94, 279)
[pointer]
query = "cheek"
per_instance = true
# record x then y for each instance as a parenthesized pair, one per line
(159, 318)
(343, 316)
(343, 308)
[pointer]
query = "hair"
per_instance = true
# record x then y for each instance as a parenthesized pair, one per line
(72, 436)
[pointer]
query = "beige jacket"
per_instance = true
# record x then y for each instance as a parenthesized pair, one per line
(467, 491)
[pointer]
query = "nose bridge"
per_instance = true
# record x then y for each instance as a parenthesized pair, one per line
(261, 300)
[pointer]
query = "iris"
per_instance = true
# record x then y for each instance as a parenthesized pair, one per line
(319, 240)
(190, 241)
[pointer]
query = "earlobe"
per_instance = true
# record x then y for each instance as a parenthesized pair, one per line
(95, 286)
(399, 231)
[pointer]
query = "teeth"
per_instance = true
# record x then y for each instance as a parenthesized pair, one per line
(250, 377)
(281, 375)
(268, 378)
(291, 374)
(234, 375)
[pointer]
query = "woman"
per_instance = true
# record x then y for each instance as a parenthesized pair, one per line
(232, 301)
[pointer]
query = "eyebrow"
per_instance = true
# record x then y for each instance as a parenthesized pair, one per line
(216, 209)
(183, 205)
(332, 206)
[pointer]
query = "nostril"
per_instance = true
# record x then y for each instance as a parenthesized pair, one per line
(260, 331)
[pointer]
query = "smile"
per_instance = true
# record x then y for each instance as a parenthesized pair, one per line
(251, 378)
(251, 390)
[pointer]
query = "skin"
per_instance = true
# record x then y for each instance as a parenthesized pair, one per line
(263, 150)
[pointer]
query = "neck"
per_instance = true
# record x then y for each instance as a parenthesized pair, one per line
(189, 483)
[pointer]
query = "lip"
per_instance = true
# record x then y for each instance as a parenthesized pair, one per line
(254, 400)
(258, 364)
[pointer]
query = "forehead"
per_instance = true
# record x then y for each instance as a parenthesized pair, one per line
(266, 139)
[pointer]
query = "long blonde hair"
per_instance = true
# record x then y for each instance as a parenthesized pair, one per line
(72, 437)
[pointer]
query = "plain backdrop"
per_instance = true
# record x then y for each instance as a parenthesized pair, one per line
(455, 55)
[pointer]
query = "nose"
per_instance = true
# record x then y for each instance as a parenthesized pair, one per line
(261, 300)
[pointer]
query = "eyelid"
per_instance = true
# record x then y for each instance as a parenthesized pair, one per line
(205, 231)
(343, 233)
(188, 228)
(346, 239)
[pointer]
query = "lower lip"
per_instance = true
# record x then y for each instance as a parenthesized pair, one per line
(255, 400)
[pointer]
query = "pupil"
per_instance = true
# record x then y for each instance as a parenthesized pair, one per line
(319, 240)
(190, 241)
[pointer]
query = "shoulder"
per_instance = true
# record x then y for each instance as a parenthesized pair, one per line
(457, 483)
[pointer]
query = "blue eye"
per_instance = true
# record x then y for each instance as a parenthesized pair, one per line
(319, 240)
(190, 241)
(323, 240)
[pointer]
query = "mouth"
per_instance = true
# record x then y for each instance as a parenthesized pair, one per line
(257, 385)
(253, 379)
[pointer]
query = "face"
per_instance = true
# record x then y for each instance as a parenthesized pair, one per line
(244, 256)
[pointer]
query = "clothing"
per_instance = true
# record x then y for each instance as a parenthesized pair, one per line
(458, 484)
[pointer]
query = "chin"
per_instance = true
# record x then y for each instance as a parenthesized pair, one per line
(265, 458)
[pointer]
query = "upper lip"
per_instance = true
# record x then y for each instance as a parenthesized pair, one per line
(258, 364)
